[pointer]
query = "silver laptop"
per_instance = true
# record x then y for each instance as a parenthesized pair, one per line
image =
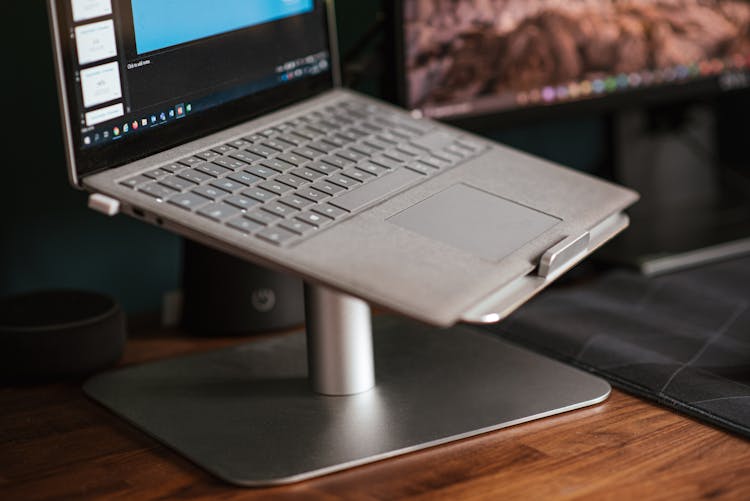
(230, 128)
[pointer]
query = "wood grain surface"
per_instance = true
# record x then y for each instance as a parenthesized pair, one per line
(56, 444)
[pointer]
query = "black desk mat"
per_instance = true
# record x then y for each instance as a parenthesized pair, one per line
(682, 340)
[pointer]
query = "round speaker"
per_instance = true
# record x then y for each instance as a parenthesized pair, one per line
(51, 335)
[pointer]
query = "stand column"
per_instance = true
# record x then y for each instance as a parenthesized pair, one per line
(339, 342)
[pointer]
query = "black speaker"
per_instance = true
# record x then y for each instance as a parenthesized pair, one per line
(224, 295)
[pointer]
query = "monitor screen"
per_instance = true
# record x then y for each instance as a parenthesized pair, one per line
(144, 74)
(471, 57)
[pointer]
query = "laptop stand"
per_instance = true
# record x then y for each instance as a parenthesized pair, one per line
(250, 415)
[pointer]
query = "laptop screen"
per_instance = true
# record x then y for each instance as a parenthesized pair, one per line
(145, 75)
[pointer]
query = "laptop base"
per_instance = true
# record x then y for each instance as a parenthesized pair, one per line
(248, 414)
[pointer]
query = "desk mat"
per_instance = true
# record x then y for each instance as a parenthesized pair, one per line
(682, 340)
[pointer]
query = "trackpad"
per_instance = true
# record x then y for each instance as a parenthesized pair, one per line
(488, 226)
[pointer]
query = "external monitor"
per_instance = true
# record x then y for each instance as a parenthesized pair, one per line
(468, 58)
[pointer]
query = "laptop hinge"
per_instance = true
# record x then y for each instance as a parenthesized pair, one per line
(104, 204)
(558, 258)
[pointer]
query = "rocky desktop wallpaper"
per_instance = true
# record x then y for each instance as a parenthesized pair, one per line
(460, 50)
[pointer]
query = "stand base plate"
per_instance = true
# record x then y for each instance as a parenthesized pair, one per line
(248, 415)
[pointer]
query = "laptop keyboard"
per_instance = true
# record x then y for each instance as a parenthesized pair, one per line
(289, 182)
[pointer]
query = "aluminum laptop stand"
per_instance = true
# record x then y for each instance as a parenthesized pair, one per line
(350, 392)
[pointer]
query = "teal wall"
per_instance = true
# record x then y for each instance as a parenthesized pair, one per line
(47, 236)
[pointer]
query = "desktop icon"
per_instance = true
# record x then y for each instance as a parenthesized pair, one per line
(135, 125)
(188, 108)
(153, 119)
(163, 116)
(125, 128)
(180, 109)
(87, 140)
(116, 131)
(144, 122)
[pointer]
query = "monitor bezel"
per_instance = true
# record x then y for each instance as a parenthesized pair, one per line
(706, 88)
(84, 162)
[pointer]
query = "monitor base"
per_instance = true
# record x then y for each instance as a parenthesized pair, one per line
(248, 414)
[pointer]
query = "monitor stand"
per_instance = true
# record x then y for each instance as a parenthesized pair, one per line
(250, 415)
(694, 209)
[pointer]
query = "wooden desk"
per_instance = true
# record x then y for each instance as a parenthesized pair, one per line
(56, 444)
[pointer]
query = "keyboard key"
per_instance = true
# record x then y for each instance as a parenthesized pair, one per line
(134, 181)
(312, 194)
(189, 201)
(156, 173)
(244, 225)
(230, 163)
(351, 155)
(344, 181)
(295, 201)
(276, 164)
(374, 143)
(322, 167)
(327, 187)
(156, 190)
(385, 162)
(276, 235)
(246, 156)
(241, 202)
(419, 167)
(307, 153)
(373, 168)
(238, 143)
(329, 210)
(219, 211)
(279, 209)
(191, 161)
(365, 149)
(397, 156)
(309, 174)
(195, 176)
(224, 149)
(212, 169)
(408, 151)
(376, 190)
(208, 155)
(177, 183)
(210, 192)
(275, 187)
(359, 175)
(227, 184)
(261, 171)
(259, 194)
(277, 144)
(289, 138)
(259, 149)
(323, 146)
(299, 227)
(255, 138)
(435, 162)
(314, 219)
(337, 162)
(291, 180)
(306, 133)
(293, 159)
(173, 167)
(244, 178)
(338, 142)
(263, 217)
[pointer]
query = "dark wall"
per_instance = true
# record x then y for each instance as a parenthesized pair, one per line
(47, 236)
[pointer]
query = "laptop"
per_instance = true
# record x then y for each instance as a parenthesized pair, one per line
(228, 125)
